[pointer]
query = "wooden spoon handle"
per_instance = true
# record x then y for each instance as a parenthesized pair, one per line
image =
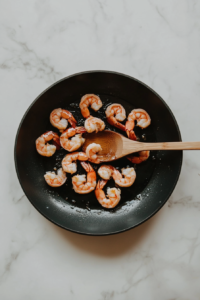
(172, 146)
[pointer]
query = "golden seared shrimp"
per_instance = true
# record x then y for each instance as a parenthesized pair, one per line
(106, 171)
(59, 117)
(69, 161)
(91, 152)
(143, 155)
(114, 113)
(80, 184)
(45, 149)
(126, 178)
(76, 141)
(94, 124)
(55, 180)
(113, 194)
(89, 100)
(141, 116)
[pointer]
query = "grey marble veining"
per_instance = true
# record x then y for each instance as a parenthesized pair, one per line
(155, 41)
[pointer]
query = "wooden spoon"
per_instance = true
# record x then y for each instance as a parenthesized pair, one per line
(115, 145)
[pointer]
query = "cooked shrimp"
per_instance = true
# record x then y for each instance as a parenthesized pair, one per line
(94, 124)
(89, 100)
(69, 161)
(126, 178)
(143, 155)
(141, 116)
(59, 117)
(45, 149)
(114, 113)
(113, 195)
(55, 180)
(91, 152)
(106, 171)
(80, 184)
(76, 141)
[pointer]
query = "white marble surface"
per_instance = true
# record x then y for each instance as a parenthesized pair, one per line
(155, 41)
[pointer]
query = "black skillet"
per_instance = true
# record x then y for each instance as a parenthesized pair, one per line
(156, 178)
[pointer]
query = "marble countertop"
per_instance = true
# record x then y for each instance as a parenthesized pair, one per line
(155, 41)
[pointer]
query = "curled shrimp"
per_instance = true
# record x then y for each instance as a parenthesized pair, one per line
(106, 171)
(114, 113)
(91, 152)
(55, 180)
(143, 155)
(59, 117)
(89, 100)
(80, 184)
(94, 124)
(113, 194)
(76, 141)
(141, 116)
(45, 149)
(124, 179)
(69, 161)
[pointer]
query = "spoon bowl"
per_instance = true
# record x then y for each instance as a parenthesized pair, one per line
(110, 141)
(115, 145)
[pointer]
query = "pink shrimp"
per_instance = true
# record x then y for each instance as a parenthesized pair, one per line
(143, 120)
(80, 184)
(113, 195)
(55, 180)
(124, 179)
(114, 113)
(59, 117)
(69, 161)
(76, 141)
(89, 100)
(91, 152)
(45, 149)
(94, 124)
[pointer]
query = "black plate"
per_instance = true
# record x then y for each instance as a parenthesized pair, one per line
(156, 178)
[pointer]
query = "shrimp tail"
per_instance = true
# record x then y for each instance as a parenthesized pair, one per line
(73, 122)
(131, 135)
(130, 125)
(80, 129)
(120, 126)
(113, 121)
(88, 168)
(56, 140)
(56, 143)
(101, 183)
(67, 115)
(129, 130)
